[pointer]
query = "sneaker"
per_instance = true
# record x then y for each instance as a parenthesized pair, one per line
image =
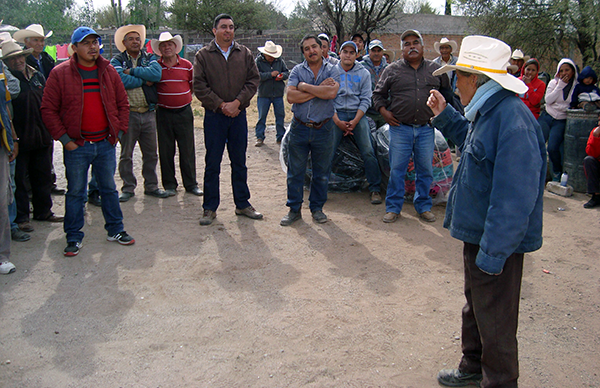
(72, 248)
(290, 218)
(94, 198)
(17, 234)
(456, 378)
(390, 217)
(376, 198)
(207, 217)
(7, 267)
(427, 216)
(122, 238)
(319, 217)
(259, 142)
(593, 202)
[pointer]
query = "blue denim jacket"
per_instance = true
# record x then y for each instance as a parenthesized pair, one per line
(316, 109)
(496, 199)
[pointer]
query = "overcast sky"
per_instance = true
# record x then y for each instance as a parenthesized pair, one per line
(287, 6)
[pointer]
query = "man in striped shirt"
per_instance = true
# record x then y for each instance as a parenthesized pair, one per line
(174, 116)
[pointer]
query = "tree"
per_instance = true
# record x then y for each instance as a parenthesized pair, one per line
(551, 29)
(52, 14)
(247, 14)
(422, 7)
(150, 13)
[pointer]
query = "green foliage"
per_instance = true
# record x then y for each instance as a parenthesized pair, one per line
(550, 29)
(52, 14)
(422, 7)
(247, 14)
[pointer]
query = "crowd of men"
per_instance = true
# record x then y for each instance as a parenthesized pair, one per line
(89, 104)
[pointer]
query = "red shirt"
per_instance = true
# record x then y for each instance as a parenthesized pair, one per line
(94, 123)
(175, 86)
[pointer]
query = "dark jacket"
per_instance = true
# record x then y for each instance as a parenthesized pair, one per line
(217, 81)
(268, 86)
(47, 62)
(147, 69)
(27, 118)
(496, 199)
(62, 104)
(582, 88)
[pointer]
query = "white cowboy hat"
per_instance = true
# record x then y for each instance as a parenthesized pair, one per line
(5, 37)
(445, 42)
(32, 31)
(124, 30)
(518, 54)
(271, 49)
(13, 49)
(488, 56)
(166, 37)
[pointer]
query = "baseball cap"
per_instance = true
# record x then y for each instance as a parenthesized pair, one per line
(349, 43)
(376, 43)
(323, 36)
(411, 33)
(81, 33)
(357, 35)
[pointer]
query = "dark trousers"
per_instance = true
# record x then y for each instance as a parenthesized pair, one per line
(591, 167)
(220, 130)
(38, 164)
(489, 321)
(176, 125)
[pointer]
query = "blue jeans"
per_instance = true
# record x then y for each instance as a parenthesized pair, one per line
(220, 130)
(362, 136)
(554, 134)
(12, 207)
(101, 156)
(264, 103)
(407, 141)
(317, 142)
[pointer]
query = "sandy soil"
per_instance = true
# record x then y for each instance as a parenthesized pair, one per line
(242, 303)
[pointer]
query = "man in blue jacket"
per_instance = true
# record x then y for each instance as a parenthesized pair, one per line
(273, 73)
(495, 206)
(351, 104)
(139, 71)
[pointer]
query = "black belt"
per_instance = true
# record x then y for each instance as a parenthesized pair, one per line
(312, 125)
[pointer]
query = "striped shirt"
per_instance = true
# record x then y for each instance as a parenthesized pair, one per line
(175, 86)
(94, 123)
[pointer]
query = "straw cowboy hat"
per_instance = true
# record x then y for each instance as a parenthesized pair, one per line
(166, 37)
(518, 54)
(124, 30)
(12, 49)
(445, 42)
(32, 31)
(5, 37)
(271, 49)
(488, 56)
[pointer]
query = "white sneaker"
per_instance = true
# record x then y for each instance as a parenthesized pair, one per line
(7, 267)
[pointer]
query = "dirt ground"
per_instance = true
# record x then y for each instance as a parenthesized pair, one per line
(242, 303)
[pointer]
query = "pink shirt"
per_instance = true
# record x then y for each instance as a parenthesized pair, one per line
(174, 87)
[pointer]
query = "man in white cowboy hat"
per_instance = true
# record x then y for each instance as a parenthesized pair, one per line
(33, 37)
(518, 59)
(273, 73)
(34, 163)
(12, 84)
(401, 98)
(85, 107)
(495, 206)
(139, 72)
(174, 116)
(375, 63)
(225, 80)
(8, 152)
(447, 48)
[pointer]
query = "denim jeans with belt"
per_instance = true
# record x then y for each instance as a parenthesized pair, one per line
(102, 157)
(221, 130)
(418, 142)
(319, 144)
(264, 103)
(362, 136)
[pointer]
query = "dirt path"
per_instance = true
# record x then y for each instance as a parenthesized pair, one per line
(241, 303)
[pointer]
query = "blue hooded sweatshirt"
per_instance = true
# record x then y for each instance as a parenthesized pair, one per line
(591, 90)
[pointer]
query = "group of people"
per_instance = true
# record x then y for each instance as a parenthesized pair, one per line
(494, 206)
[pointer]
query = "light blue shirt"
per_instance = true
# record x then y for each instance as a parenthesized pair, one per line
(316, 109)
(225, 53)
